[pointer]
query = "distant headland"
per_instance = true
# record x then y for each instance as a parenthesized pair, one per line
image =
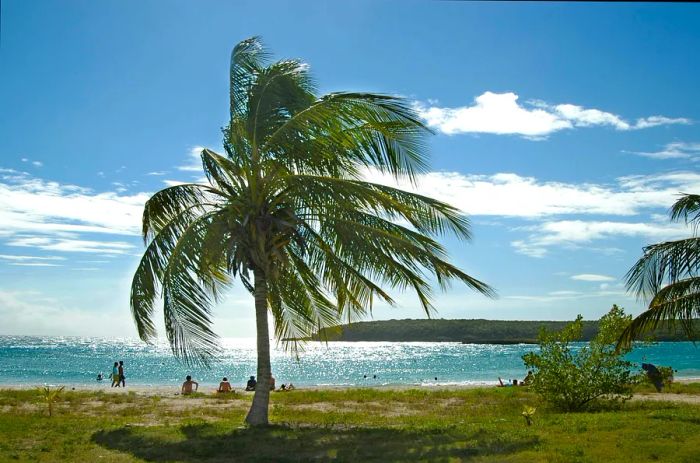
(477, 331)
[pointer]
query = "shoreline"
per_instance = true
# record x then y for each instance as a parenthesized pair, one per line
(151, 390)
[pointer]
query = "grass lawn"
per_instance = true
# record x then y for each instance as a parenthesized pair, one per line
(343, 425)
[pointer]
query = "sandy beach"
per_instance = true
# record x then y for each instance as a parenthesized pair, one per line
(174, 390)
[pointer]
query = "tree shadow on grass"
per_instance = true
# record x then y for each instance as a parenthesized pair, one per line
(207, 443)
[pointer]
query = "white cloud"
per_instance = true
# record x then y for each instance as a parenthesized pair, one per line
(555, 296)
(15, 258)
(493, 113)
(508, 194)
(34, 163)
(592, 277)
(675, 150)
(564, 293)
(29, 204)
(581, 117)
(35, 264)
(501, 113)
(574, 233)
(654, 121)
(72, 245)
(195, 161)
(157, 173)
(51, 216)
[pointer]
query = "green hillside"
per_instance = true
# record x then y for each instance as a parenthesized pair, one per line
(478, 331)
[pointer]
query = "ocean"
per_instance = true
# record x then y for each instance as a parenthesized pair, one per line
(74, 361)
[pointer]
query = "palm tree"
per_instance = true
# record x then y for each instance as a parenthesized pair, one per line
(667, 274)
(286, 211)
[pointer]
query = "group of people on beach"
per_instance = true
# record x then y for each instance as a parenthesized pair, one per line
(525, 382)
(117, 375)
(190, 386)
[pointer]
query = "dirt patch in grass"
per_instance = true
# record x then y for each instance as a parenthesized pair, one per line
(668, 397)
(390, 409)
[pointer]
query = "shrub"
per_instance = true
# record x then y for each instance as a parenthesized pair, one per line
(574, 377)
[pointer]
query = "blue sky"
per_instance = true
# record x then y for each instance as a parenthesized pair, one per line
(564, 131)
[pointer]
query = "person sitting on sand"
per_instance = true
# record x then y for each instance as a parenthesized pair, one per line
(509, 383)
(286, 387)
(250, 385)
(187, 385)
(225, 386)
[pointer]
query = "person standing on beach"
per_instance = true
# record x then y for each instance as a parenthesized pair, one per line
(115, 375)
(122, 378)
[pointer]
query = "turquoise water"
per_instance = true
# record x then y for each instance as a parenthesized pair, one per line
(76, 361)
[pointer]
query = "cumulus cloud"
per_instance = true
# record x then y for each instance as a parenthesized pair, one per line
(502, 114)
(675, 150)
(493, 113)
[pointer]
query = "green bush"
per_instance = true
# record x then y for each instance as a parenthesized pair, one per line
(575, 377)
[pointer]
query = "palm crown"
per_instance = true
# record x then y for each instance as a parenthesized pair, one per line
(287, 212)
(667, 275)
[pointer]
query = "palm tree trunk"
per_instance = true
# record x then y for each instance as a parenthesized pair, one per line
(257, 415)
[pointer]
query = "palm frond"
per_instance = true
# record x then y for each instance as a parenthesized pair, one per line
(298, 305)
(225, 174)
(343, 130)
(186, 301)
(688, 209)
(145, 286)
(678, 302)
(353, 290)
(280, 91)
(248, 58)
(662, 263)
(425, 214)
(169, 202)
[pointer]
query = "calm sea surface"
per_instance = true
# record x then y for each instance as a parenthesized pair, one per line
(77, 361)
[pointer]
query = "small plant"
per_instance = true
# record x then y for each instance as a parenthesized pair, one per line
(50, 396)
(666, 375)
(528, 413)
(572, 377)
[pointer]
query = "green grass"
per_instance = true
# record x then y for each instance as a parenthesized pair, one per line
(343, 425)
